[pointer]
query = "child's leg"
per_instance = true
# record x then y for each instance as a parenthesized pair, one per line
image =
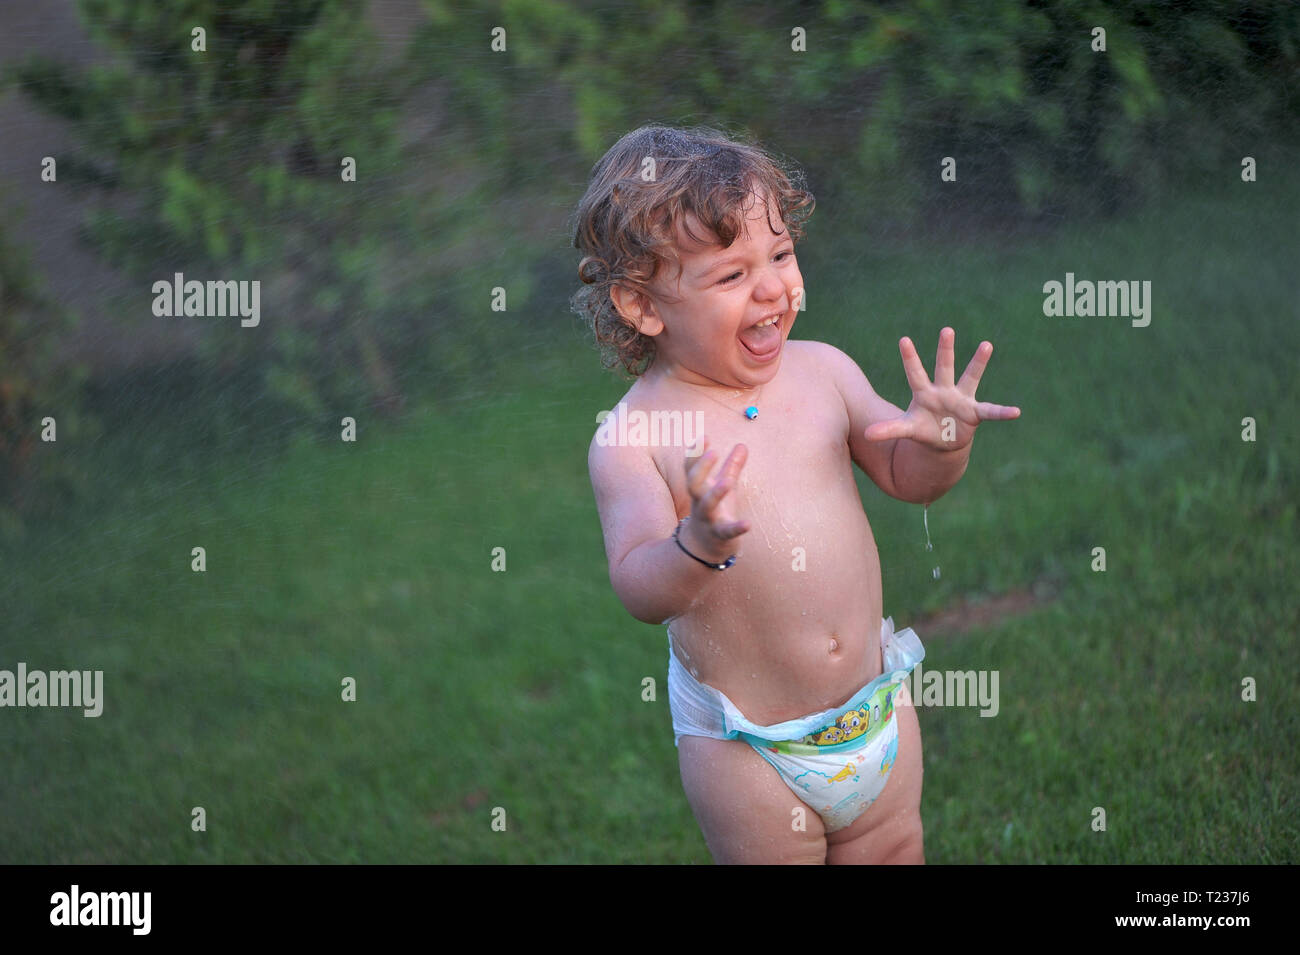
(890, 830)
(744, 808)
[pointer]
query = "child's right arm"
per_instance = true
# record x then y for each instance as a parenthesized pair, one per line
(649, 573)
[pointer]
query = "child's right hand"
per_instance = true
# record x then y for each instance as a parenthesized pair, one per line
(713, 524)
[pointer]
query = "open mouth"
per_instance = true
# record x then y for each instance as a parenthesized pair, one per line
(763, 341)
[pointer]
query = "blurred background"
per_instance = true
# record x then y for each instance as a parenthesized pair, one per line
(1168, 157)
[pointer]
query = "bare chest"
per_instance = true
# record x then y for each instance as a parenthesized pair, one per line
(797, 453)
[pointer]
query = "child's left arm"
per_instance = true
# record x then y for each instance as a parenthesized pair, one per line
(918, 454)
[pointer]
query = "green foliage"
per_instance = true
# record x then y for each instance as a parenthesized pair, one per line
(34, 385)
(1039, 122)
(228, 162)
(225, 164)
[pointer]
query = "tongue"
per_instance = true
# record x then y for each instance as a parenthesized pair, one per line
(761, 340)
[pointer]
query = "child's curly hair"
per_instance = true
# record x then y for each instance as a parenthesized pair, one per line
(626, 226)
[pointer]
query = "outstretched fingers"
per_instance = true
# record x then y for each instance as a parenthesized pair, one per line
(701, 462)
(987, 411)
(945, 359)
(917, 379)
(902, 427)
(726, 478)
(707, 491)
(970, 378)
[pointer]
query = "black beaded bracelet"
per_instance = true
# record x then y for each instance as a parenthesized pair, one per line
(722, 566)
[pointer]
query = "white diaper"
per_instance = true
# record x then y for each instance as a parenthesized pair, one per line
(837, 761)
(701, 710)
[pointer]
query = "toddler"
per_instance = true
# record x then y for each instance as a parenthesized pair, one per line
(753, 546)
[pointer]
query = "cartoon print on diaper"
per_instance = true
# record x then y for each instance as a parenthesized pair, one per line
(850, 725)
(854, 723)
(891, 754)
(850, 771)
(827, 737)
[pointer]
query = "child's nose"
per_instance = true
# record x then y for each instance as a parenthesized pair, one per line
(771, 286)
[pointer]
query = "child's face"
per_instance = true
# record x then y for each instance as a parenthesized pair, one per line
(722, 294)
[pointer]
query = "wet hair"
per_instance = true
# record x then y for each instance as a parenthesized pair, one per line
(626, 227)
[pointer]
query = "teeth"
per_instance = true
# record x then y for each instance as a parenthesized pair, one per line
(767, 322)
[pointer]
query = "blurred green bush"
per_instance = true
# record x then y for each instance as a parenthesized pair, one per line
(1011, 88)
(34, 387)
(232, 162)
(226, 164)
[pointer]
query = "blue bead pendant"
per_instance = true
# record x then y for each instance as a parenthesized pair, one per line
(751, 412)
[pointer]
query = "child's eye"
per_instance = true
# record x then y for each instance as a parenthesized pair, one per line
(734, 274)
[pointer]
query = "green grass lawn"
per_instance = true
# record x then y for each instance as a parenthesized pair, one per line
(522, 689)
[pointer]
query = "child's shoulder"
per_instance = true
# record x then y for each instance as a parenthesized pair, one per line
(816, 351)
(824, 360)
(638, 397)
(612, 422)
(621, 461)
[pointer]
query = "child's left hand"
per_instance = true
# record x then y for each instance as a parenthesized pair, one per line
(933, 401)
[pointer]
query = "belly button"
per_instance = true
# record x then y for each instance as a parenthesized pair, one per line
(834, 645)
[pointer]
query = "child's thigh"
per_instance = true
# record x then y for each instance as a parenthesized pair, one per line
(744, 808)
(890, 830)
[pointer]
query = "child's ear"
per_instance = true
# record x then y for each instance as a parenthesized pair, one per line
(637, 309)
